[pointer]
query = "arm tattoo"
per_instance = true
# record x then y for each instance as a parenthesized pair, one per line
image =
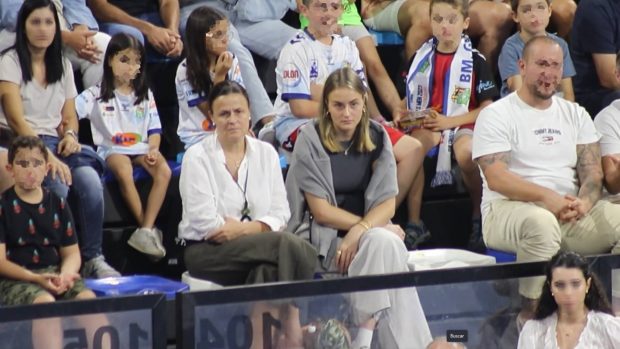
(490, 159)
(589, 171)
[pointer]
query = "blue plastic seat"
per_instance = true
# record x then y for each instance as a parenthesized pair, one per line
(135, 285)
(383, 38)
(502, 256)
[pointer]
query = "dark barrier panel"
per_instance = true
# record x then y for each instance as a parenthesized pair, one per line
(119, 322)
(476, 306)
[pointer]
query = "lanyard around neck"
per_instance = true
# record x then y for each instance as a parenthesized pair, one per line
(245, 211)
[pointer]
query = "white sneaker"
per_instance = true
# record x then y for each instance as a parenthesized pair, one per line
(147, 241)
(160, 240)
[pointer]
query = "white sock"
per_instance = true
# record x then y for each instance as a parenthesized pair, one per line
(363, 339)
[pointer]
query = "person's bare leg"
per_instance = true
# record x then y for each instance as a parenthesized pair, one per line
(562, 15)
(428, 140)
(121, 167)
(375, 70)
(161, 173)
(47, 332)
(409, 161)
(469, 169)
(93, 322)
(491, 23)
(414, 199)
(415, 230)
(415, 24)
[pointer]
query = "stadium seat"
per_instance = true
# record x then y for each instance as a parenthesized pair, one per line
(501, 256)
(383, 38)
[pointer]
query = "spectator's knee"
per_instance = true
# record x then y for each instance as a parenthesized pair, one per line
(86, 294)
(44, 297)
(541, 226)
(384, 240)
(164, 173)
(87, 180)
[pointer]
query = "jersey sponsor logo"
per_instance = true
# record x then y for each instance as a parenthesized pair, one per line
(314, 69)
(461, 95)
(291, 76)
(207, 125)
(108, 111)
(126, 139)
(297, 38)
(140, 112)
(485, 86)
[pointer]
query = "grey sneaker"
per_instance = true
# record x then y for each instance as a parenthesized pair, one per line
(98, 268)
(147, 241)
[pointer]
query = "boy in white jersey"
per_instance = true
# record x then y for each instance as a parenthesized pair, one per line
(304, 64)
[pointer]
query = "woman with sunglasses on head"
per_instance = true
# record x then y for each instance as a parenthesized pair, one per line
(573, 311)
(234, 203)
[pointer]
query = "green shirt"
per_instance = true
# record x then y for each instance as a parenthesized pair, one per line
(349, 16)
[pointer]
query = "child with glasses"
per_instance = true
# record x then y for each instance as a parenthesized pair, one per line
(39, 254)
(208, 62)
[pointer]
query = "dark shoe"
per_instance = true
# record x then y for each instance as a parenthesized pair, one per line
(476, 243)
(415, 234)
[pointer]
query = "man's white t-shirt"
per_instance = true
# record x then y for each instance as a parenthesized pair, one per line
(304, 61)
(191, 119)
(42, 104)
(119, 126)
(607, 123)
(542, 143)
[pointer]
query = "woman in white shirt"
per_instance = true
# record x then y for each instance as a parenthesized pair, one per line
(234, 203)
(573, 311)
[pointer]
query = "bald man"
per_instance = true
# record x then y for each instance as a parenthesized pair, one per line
(542, 176)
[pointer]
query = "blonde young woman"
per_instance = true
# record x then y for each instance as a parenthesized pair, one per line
(343, 171)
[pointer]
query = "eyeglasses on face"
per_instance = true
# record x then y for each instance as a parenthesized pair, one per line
(218, 35)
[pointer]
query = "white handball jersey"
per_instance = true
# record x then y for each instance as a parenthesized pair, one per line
(191, 127)
(119, 126)
(304, 61)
